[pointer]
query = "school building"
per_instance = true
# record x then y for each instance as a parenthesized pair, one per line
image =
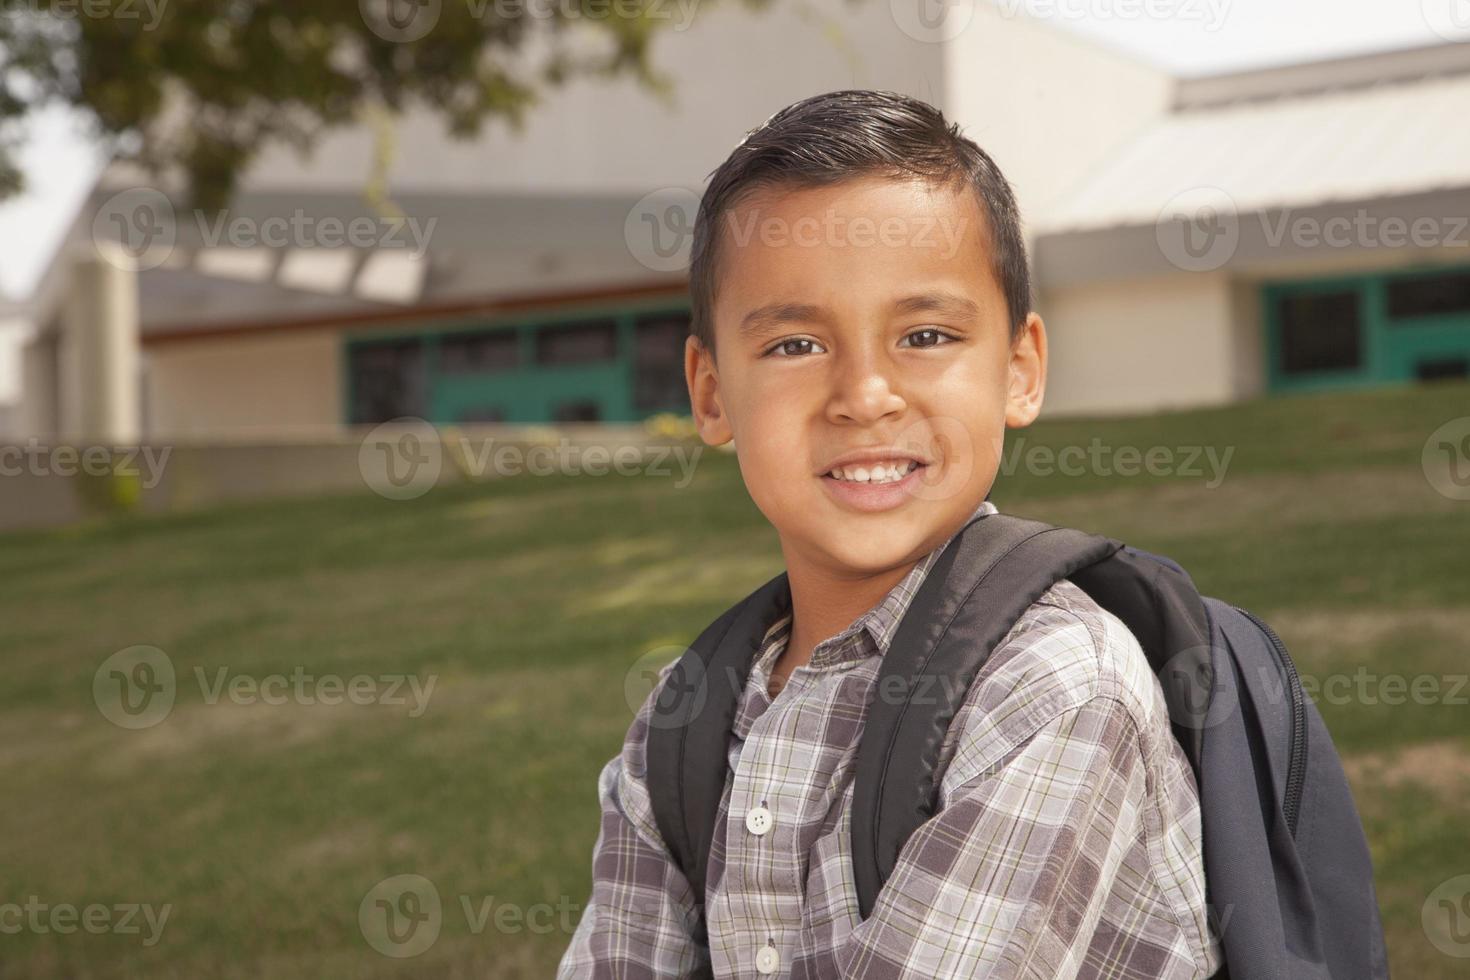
(1195, 241)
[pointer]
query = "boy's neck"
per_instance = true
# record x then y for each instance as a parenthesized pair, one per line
(824, 604)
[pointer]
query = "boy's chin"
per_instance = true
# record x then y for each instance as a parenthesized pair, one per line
(873, 543)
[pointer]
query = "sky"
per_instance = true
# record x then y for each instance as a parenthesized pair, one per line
(1210, 36)
(1186, 37)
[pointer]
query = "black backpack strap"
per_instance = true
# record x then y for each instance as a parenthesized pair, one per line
(986, 577)
(690, 725)
(1161, 607)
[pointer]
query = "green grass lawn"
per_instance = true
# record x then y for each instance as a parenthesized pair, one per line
(528, 599)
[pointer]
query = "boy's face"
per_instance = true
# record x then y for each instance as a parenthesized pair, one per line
(863, 318)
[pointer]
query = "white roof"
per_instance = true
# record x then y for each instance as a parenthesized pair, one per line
(1298, 149)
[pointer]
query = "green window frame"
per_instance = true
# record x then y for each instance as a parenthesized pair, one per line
(1392, 349)
(530, 391)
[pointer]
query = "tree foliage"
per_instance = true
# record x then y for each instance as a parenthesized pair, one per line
(193, 89)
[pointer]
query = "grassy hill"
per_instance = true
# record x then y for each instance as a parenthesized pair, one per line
(527, 601)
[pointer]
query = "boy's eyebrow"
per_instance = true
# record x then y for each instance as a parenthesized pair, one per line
(950, 304)
(764, 318)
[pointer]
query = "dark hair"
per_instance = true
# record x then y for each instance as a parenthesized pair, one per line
(857, 133)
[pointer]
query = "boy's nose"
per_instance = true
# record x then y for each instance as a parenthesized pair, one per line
(864, 392)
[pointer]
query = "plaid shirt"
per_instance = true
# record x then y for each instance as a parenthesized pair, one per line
(1066, 843)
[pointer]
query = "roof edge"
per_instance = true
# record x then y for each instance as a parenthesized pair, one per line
(1316, 77)
(346, 320)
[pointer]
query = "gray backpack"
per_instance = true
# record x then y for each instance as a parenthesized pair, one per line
(1288, 875)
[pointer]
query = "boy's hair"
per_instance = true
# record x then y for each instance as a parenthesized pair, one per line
(843, 135)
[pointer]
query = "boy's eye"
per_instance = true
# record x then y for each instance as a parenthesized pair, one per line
(797, 346)
(927, 337)
(793, 347)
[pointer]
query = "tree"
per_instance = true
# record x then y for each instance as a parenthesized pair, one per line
(193, 89)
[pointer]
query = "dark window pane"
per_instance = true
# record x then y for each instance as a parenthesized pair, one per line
(387, 381)
(577, 343)
(1447, 293)
(470, 353)
(658, 362)
(1319, 332)
(1442, 370)
(579, 411)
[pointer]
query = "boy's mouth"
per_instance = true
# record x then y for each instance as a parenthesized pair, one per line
(869, 482)
(873, 464)
(879, 471)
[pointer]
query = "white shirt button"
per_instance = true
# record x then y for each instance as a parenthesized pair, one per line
(768, 960)
(758, 820)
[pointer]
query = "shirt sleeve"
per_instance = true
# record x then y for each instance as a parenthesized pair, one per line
(1010, 877)
(640, 918)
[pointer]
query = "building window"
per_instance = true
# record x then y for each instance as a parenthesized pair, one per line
(658, 362)
(577, 411)
(387, 380)
(1320, 332)
(1429, 295)
(1443, 369)
(588, 341)
(479, 352)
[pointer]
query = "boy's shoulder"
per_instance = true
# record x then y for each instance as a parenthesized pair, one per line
(1065, 651)
(1110, 663)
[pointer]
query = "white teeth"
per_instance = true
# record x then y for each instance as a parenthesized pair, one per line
(874, 473)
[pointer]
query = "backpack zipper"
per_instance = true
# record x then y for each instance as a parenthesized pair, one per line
(1296, 769)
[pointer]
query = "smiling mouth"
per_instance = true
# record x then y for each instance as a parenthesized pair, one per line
(880, 472)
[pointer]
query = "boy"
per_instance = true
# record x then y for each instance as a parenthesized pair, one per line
(862, 330)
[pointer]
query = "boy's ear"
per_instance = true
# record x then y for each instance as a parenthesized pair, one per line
(1026, 374)
(703, 379)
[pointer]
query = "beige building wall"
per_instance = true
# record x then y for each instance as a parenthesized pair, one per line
(1248, 339)
(277, 385)
(98, 352)
(1146, 345)
(15, 334)
(40, 404)
(1045, 104)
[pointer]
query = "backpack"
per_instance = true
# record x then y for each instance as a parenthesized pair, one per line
(1289, 879)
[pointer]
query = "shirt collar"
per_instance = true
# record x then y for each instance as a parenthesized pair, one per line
(872, 632)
